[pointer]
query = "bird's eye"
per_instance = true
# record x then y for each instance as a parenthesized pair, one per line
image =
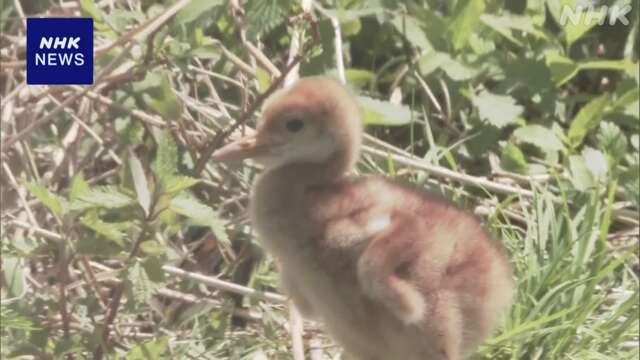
(294, 125)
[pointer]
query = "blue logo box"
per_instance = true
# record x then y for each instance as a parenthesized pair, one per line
(59, 51)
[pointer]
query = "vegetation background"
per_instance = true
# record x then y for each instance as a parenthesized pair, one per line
(120, 240)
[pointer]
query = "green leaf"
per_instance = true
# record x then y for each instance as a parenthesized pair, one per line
(111, 231)
(264, 79)
(150, 350)
(506, 23)
(562, 68)
(157, 94)
(497, 110)
(513, 159)
(595, 161)
(580, 22)
(142, 287)
(13, 320)
(176, 184)
(194, 10)
(456, 70)
(168, 105)
(199, 214)
(466, 19)
(587, 118)
(152, 247)
(103, 197)
(376, 112)
(263, 16)
(359, 78)
(140, 182)
(431, 61)
(165, 165)
(545, 139)
(89, 7)
(581, 177)
(78, 187)
(92, 245)
(351, 27)
(612, 140)
(345, 15)
(13, 276)
(410, 28)
(48, 199)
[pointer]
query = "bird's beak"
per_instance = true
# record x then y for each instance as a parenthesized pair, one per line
(247, 147)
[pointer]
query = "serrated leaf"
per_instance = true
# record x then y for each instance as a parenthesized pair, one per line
(410, 28)
(140, 182)
(595, 161)
(545, 139)
(168, 105)
(580, 176)
(497, 110)
(199, 214)
(102, 196)
(587, 118)
(431, 61)
(111, 231)
(165, 165)
(13, 320)
(466, 19)
(612, 140)
(264, 15)
(458, 71)
(48, 199)
(194, 10)
(78, 187)
(176, 184)
(149, 350)
(142, 287)
(376, 112)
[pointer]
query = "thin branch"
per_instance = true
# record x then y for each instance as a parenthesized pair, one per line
(225, 285)
(443, 172)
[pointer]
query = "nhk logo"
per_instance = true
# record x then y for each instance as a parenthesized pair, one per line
(53, 58)
(59, 51)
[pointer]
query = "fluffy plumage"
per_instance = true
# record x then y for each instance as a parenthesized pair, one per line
(392, 272)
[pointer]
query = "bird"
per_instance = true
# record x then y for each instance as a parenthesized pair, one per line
(390, 270)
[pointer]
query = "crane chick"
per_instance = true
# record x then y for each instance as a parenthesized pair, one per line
(391, 271)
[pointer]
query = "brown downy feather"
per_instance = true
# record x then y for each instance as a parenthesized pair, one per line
(392, 272)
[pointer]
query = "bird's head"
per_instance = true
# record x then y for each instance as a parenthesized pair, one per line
(314, 121)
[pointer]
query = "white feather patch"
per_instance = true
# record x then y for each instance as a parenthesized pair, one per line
(377, 224)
